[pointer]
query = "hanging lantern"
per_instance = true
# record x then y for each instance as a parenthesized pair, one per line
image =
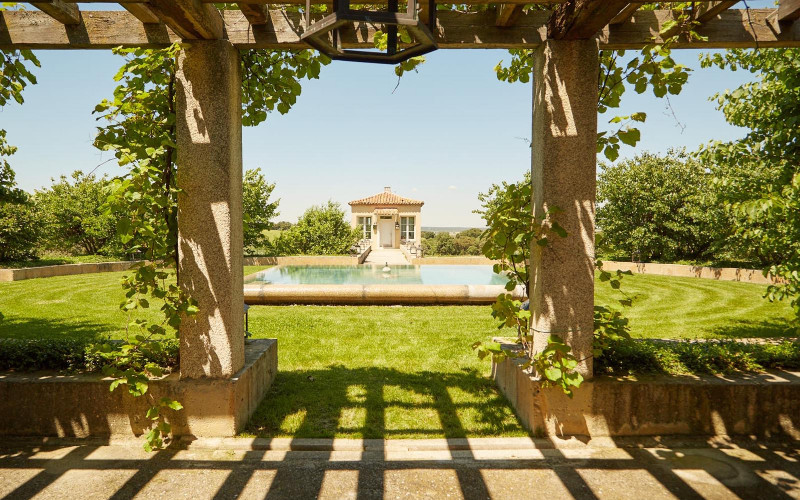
(325, 35)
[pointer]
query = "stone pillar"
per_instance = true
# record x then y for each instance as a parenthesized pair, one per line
(563, 170)
(209, 127)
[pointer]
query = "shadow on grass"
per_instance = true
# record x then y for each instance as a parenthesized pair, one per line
(769, 328)
(40, 328)
(376, 402)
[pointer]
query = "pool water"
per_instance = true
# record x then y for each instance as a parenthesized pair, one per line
(374, 275)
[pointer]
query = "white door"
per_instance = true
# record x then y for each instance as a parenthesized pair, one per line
(386, 230)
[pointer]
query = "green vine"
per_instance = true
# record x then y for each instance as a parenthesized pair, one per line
(140, 130)
(651, 68)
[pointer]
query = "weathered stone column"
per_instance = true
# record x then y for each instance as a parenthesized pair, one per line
(563, 174)
(209, 129)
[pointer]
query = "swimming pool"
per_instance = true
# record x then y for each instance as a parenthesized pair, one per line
(364, 285)
(375, 275)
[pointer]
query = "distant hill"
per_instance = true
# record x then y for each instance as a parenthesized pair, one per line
(444, 229)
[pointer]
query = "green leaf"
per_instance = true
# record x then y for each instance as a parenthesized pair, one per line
(552, 373)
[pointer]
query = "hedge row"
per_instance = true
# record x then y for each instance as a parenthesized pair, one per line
(631, 357)
(69, 355)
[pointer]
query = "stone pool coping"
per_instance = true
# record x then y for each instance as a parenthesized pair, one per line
(324, 294)
(411, 294)
(273, 294)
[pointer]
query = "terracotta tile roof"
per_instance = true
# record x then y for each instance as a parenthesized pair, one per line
(386, 198)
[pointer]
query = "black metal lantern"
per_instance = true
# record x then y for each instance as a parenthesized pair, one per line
(325, 35)
(397, 225)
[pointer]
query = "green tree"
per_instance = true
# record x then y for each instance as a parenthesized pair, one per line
(74, 214)
(321, 230)
(18, 225)
(759, 175)
(662, 208)
(257, 209)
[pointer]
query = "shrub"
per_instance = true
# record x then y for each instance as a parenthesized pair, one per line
(258, 211)
(321, 230)
(74, 215)
(19, 229)
(631, 357)
(69, 355)
(660, 208)
(464, 243)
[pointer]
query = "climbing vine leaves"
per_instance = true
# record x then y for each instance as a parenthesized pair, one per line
(653, 67)
(139, 128)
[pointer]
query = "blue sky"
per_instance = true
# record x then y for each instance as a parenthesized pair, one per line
(443, 136)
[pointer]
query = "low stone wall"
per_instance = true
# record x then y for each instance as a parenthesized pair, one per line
(38, 404)
(453, 261)
(27, 273)
(715, 273)
(363, 255)
(274, 294)
(763, 405)
(306, 260)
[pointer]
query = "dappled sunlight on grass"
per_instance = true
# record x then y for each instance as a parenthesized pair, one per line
(383, 403)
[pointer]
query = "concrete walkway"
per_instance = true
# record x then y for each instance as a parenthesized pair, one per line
(392, 256)
(513, 468)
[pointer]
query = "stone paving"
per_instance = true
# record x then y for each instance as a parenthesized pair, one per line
(513, 468)
(381, 256)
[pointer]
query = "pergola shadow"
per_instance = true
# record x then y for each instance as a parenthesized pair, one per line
(547, 471)
(383, 403)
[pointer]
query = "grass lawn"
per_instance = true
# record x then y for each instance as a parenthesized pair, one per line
(390, 371)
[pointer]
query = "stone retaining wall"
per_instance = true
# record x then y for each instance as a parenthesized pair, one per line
(37, 404)
(715, 273)
(763, 405)
(27, 273)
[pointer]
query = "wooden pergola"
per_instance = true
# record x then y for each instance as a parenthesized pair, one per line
(261, 24)
(565, 40)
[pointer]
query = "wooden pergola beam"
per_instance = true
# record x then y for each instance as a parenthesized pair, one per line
(142, 12)
(625, 14)
(29, 29)
(551, 3)
(65, 13)
(256, 14)
(704, 13)
(582, 19)
(190, 19)
(710, 10)
(507, 14)
(788, 11)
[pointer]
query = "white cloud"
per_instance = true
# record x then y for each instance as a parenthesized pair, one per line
(452, 188)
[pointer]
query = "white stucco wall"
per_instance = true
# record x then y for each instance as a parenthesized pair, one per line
(403, 211)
